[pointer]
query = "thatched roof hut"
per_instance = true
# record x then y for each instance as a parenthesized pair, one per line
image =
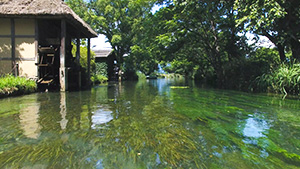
(102, 53)
(107, 56)
(36, 41)
(45, 9)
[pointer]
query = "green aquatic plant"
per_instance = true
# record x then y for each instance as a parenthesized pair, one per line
(222, 118)
(59, 152)
(150, 127)
(155, 131)
(179, 87)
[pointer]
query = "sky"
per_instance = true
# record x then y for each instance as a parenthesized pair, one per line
(262, 42)
(100, 43)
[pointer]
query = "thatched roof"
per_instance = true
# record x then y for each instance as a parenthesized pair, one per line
(102, 53)
(44, 8)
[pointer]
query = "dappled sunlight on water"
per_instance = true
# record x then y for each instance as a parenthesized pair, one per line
(164, 123)
(255, 127)
(101, 116)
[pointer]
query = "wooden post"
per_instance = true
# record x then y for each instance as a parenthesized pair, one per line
(89, 61)
(78, 51)
(13, 47)
(36, 44)
(78, 61)
(63, 73)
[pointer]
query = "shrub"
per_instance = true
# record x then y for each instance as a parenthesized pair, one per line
(10, 85)
(101, 68)
(99, 73)
(98, 79)
(140, 75)
(285, 79)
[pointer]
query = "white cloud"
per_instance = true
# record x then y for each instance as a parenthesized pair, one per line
(100, 42)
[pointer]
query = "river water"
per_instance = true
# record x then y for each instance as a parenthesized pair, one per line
(164, 123)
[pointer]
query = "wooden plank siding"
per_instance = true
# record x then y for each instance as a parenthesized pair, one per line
(13, 47)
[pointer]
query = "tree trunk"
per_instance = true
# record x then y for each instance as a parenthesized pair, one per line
(120, 75)
(280, 46)
(280, 49)
(295, 49)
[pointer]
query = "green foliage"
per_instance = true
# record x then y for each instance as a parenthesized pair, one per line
(11, 85)
(242, 75)
(98, 79)
(199, 39)
(278, 20)
(99, 73)
(125, 24)
(203, 40)
(101, 69)
(259, 14)
(83, 56)
(284, 79)
(80, 7)
(84, 61)
(119, 20)
(140, 75)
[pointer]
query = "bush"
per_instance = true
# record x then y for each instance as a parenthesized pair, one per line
(10, 85)
(99, 73)
(285, 79)
(101, 68)
(140, 75)
(98, 79)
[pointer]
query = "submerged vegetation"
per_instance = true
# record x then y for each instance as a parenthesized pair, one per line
(161, 123)
(11, 86)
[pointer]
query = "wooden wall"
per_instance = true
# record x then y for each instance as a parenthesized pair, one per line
(5, 46)
(18, 46)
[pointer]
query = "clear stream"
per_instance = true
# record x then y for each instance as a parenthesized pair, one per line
(160, 123)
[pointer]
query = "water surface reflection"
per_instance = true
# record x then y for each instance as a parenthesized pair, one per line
(149, 124)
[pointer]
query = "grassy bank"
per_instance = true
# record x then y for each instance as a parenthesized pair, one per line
(12, 86)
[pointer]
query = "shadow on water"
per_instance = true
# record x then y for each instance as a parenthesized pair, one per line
(164, 123)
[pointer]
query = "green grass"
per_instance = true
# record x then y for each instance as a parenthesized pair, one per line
(10, 85)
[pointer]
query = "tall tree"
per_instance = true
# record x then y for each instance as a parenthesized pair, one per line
(204, 33)
(118, 20)
(278, 20)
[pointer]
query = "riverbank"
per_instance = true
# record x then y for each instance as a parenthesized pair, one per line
(15, 86)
